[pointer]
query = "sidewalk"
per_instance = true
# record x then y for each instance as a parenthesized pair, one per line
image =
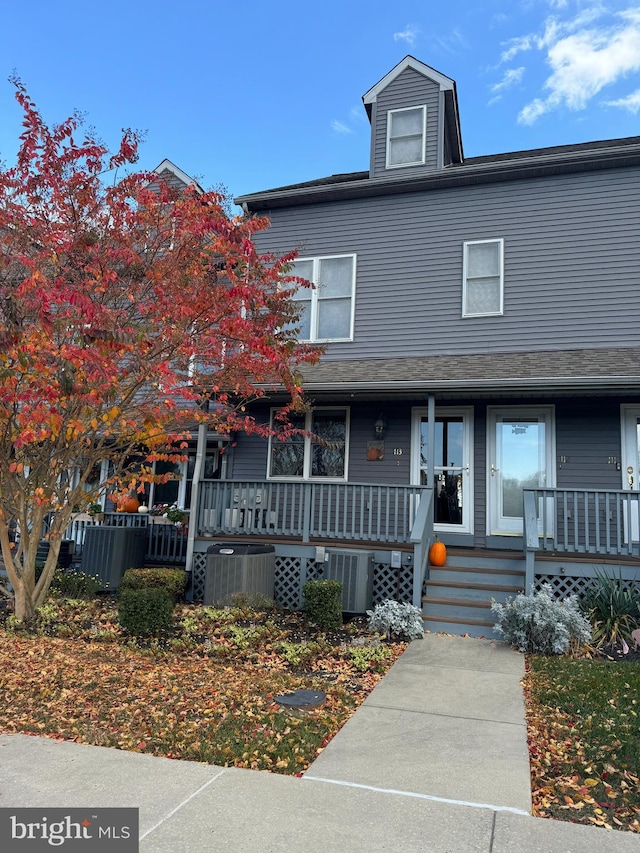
(434, 761)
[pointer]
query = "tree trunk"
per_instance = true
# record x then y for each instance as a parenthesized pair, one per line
(21, 569)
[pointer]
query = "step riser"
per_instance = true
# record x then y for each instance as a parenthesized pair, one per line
(484, 562)
(435, 590)
(462, 576)
(459, 628)
(457, 611)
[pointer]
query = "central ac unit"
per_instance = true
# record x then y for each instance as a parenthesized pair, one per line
(238, 568)
(355, 571)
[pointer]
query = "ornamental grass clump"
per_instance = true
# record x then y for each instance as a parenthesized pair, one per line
(394, 619)
(613, 608)
(541, 624)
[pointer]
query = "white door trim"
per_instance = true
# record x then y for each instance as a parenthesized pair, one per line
(497, 525)
(629, 415)
(466, 413)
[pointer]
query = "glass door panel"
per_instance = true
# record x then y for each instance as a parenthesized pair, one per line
(451, 469)
(521, 457)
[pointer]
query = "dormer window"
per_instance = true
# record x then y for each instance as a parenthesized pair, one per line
(406, 136)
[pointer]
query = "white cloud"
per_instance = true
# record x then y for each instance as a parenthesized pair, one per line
(340, 126)
(511, 77)
(409, 34)
(630, 103)
(587, 47)
(584, 63)
(452, 42)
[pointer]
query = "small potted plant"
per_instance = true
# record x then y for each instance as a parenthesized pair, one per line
(96, 512)
(175, 515)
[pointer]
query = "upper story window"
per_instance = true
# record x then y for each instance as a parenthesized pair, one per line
(406, 137)
(321, 455)
(327, 309)
(483, 278)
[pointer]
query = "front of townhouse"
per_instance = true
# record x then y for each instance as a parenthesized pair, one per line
(481, 379)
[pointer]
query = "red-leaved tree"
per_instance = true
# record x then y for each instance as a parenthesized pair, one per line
(123, 304)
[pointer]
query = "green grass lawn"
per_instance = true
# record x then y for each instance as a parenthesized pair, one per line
(584, 740)
(207, 691)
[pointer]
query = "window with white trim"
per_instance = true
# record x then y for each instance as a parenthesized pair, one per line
(406, 137)
(326, 310)
(321, 455)
(483, 278)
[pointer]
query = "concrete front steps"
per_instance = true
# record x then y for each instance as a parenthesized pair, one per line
(458, 595)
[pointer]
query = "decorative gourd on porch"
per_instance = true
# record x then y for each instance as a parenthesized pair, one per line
(130, 505)
(438, 553)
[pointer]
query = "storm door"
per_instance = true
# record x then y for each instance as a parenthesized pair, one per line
(630, 421)
(520, 455)
(453, 468)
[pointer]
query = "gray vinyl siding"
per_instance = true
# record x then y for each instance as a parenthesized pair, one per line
(250, 455)
(409, 89)
(588, 434)
(571, 261)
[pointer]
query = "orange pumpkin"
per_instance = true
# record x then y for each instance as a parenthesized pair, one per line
(131, 504)
(438, 554)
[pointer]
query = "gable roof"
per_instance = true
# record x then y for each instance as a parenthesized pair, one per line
(445, 83)
(175, 173)
(447, 86)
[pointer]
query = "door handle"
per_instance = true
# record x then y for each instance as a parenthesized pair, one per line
(630, 475)
(494, 470)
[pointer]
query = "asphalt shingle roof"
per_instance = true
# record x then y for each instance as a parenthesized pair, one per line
(586, 368)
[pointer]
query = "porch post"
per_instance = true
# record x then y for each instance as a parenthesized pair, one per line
(201, 450)
(431, 440)
(421, 550)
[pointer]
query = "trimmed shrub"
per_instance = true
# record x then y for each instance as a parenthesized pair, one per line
(173, 581)
(541, 624)
(323, 603)
(392, 618)
(145, 612)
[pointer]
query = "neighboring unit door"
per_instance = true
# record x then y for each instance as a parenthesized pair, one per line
(630, 423)
(453, 469)
(520, 455)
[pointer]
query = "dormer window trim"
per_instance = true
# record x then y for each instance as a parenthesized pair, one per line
(391, 138)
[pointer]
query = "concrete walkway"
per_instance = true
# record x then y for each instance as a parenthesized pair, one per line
(434, 761)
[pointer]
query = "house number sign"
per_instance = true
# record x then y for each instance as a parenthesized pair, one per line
(397, 451)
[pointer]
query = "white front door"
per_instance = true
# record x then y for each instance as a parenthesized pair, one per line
(453, 465)
(630, 423)
(520, 455)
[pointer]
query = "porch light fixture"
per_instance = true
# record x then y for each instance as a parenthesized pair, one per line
(380, 426)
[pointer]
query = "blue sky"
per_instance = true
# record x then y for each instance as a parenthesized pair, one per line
(261, 94)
